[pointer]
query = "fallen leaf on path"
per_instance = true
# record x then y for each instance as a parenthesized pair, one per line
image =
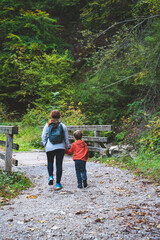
(10, 220)
(31, 196)
(142, 213)
(101, 182)
(120, 209)
(1, 200)
(31, 229)
(137, 228)
(80, 212)
(55, 227)
(157, 205)
(158, 226)
(146, 181)
(26, 220)
(98, 220)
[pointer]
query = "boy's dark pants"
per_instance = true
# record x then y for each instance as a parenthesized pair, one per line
(81, 172)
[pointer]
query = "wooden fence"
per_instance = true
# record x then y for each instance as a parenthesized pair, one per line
(95, 143)
(9, 145)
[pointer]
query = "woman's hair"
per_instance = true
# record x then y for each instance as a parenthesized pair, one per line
(77, 134)
(55, 115)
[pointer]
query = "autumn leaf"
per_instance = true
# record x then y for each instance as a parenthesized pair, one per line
(31, 196)
(31, 229)
(80, 212)
(98, 220)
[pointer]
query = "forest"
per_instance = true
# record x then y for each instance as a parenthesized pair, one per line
(98, 62)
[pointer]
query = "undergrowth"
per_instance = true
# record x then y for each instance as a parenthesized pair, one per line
(11, 184)
(143, 165)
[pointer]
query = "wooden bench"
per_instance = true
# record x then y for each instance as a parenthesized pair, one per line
(9, 145)
(99, 143)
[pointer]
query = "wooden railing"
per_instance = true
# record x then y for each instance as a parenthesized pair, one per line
(9, 145)
(95, 143)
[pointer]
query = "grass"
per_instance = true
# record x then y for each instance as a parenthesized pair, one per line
(28, 138)
(11, 184)
(144, 164)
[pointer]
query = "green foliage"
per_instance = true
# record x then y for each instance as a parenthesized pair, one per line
(29, 137)
(150, 140)
(72, 115)
(11, 184)
(67, 2)
(33, 67)
(37, 79)
(150, 6)
(126, 70)
(144, 164)
(120, 136)
(96, 14)
(35, 117)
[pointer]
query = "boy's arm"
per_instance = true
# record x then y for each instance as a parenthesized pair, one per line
(71, 150)
(87, 153)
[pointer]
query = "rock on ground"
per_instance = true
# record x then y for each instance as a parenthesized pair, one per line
(115, 205)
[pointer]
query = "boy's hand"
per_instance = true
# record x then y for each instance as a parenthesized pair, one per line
(66, 150)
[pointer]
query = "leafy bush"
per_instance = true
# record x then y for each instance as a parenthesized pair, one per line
(72, 115)
(11, 184)
(120, 136)
(150, 140)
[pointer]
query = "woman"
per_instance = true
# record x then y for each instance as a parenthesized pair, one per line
(55, 149)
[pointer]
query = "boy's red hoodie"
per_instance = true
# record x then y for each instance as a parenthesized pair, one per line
(79, 149)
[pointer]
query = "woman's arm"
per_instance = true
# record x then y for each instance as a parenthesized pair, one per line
(45, 134)
(65, 136)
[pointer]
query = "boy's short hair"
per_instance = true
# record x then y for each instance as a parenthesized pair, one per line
(77, 134)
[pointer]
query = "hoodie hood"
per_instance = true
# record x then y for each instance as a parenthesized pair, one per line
(80, 143)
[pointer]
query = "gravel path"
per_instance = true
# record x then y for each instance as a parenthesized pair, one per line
(115, 205)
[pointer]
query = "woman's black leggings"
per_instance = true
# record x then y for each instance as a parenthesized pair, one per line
(59, 153)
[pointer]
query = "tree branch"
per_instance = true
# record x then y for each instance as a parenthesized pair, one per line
(127, 21)
(120, 80)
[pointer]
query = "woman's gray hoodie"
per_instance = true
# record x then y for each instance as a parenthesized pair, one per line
(50, 146)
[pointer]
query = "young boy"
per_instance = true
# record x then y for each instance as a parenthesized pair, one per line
(80, 156)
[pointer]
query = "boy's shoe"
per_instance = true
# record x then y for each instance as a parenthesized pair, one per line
(50, 180)
(58, 186)
(79, 186)
(85, 183)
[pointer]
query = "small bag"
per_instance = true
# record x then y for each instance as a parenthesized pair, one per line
(56, 134)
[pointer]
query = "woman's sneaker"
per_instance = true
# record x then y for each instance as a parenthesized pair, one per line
(50, 180)
(85, 183)
(58, 186)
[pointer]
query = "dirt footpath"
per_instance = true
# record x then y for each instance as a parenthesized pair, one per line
(115, 205)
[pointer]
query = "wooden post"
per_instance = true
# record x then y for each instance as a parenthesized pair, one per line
(69, 134)
(8, 154)
(96, 134)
